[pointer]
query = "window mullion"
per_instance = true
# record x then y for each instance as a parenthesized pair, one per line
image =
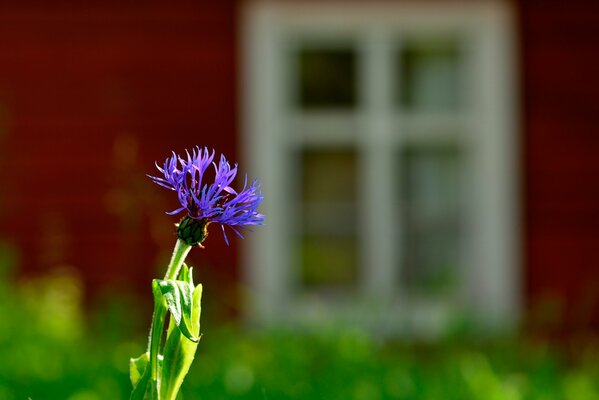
(378, 268)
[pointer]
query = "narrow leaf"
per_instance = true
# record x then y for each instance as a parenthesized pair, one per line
(147, 383)
(137, 367)
(178, 298)
(143, 385)
(186, 274)
(180, 352)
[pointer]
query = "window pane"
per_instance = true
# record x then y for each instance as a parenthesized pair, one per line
(429, 75)
(327, 78)
(431, 197)
(328, 235)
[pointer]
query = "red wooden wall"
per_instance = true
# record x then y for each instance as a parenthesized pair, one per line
(91, 93)
(560, 86)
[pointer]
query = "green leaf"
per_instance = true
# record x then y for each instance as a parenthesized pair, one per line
(143, 387)
(180, 352)
(186, 274)
(137, 367)
(178, 298)
(183, 302)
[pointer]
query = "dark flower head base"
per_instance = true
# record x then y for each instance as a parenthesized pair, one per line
(192, 231)
(208, 201)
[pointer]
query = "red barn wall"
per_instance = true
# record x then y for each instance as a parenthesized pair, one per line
(91, 93)
(560, 86)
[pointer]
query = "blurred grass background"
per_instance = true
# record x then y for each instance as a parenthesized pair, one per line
(55, 348)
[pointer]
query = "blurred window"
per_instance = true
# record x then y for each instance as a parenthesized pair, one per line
(383, 134)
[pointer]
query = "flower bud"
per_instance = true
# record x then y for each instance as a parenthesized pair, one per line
(192, 231)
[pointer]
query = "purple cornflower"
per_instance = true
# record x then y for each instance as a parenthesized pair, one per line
(208, 201)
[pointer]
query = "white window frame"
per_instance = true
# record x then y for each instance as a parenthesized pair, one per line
(491, 291)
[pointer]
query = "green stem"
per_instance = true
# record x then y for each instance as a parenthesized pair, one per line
(155, 336)
(179, 253)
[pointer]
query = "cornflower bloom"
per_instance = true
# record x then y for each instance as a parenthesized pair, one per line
(205, 200)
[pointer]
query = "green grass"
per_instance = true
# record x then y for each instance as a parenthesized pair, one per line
(51, 350)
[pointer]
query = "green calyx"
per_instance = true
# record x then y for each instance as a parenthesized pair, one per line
(192, 231)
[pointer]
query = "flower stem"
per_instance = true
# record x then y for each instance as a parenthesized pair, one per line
(154, 342)
(179, 254)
